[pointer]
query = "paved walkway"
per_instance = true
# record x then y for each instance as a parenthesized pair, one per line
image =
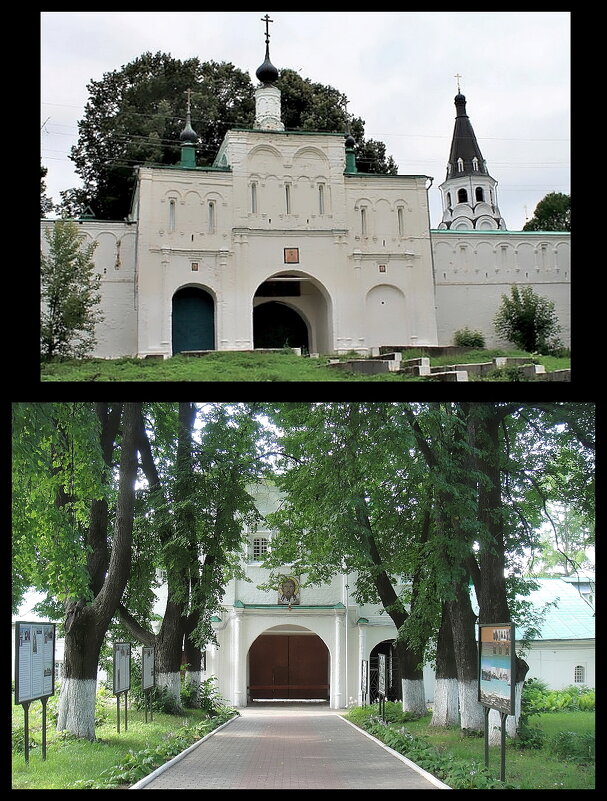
(292, 748)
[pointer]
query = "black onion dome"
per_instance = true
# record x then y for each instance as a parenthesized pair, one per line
(267, 72)
(188, 134)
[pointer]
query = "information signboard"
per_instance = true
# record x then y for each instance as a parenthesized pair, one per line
(381, 674)
(122, 667)
(147, 667)
(34, 661)
(496, 673)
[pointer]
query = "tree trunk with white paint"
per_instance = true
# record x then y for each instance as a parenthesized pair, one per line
(77, 707)
(414, 697)
(87, 623)
(445, 709)
(472, 715)
(172, 683)
(463, 621)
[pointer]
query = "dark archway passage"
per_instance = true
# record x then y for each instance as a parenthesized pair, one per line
(394, 691)
(289, 666)
(193, 320)
(276, 325)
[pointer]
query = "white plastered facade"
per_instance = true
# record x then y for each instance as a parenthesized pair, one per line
(369, 270)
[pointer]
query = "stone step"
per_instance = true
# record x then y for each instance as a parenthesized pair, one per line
(449, 375)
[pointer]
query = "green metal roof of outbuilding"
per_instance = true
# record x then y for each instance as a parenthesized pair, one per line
(572, 618)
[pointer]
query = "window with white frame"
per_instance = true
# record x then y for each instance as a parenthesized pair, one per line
(579, 674)
(259, 548)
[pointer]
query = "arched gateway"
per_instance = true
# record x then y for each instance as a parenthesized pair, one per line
(193, 320)
(286, 665)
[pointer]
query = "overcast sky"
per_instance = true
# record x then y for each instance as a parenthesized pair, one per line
(396, 68)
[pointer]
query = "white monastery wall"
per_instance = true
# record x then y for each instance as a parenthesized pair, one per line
(474, 270)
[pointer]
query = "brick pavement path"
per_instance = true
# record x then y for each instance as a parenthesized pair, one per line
(290, 750)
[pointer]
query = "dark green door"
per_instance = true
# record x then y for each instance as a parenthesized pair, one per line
(278, 326)
(193, 320)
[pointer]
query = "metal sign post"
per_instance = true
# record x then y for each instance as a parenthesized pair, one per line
(381, 684)
(364, 673)
(497, 678)
(34, 671)
(122, 676)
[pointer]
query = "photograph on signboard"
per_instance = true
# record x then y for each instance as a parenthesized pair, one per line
(34, 661)
(122, 667)
(147, 667)
(496, 675)
(381, 674)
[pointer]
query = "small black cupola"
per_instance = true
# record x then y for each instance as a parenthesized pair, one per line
(267, 72)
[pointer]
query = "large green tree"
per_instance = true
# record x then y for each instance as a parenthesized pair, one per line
(552, 213)
(135, 115)
(484, 460)
(63, 485)
(199, 464)
(355, 503)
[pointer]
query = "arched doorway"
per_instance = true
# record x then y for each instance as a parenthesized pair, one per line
(276, 325)
(193, 320)
(394, 690)
(288, 665)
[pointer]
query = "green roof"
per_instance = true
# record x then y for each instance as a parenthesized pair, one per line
(571, 619)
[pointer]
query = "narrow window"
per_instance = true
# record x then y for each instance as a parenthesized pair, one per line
(462, 196)
(448, 200)
(578, 674)
(363, 221)
(460, 165)
(288, 197)
(401, 222)
(479, 194)
(254, 198)
(211, 216)
(475, 164)
(172, 214)
(321, 199)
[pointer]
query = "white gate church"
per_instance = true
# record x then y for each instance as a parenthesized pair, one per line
(283, 242)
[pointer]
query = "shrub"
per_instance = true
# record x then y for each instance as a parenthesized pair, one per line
(466, 338)
(202, 696)
(528, 320)
(573, 747)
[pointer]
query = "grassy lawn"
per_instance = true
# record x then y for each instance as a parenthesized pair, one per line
(233, 366)
(70, 760)
(533, 769)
